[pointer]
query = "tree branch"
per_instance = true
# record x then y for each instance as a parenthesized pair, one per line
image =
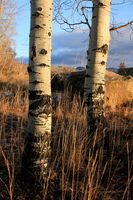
(86, 19)
(122, 26)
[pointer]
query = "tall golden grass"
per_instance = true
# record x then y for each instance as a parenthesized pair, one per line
(82, 167)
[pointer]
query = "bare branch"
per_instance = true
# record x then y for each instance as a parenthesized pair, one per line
(122, 26)
(86, 19)
(76, 13)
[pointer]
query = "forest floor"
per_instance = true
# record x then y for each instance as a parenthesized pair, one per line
(101, 169)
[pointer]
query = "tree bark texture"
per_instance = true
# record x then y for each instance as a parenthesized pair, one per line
(37, 149)
(94, 86)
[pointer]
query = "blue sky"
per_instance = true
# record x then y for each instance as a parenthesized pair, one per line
(70, 48)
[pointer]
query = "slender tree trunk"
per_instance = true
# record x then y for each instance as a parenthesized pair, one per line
(94, 86)
(37, 149)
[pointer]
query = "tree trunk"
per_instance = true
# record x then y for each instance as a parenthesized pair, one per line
(94, 86)
(37, 149)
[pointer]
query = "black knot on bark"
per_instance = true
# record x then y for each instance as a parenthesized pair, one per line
(38, 26)
(100, 90)
(101, 4)
(49, 34)
(42, 65)
(41, 105)
(37, 14)
(102, 63)
(104, 48)
(33, 52)
(43, 51)
(39, 9)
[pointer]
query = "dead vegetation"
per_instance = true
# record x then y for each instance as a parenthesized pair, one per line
(82, 168)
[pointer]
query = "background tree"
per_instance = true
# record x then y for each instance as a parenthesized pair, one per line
(122, 65)
(7, 16)
(91, 13)
(94, 86)
(37, 143)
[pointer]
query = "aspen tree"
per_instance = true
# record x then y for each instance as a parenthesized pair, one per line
(37, 149)
(94, 86)
(99, 39)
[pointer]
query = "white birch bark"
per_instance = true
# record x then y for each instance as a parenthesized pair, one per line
(94, 86)
(37, 143)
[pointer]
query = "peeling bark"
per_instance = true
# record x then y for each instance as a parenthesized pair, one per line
(94, 85)
(37, 149)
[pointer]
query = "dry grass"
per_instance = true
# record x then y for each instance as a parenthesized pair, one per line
(92, 168)
(118, 92)
(13, 73)
(82, 168)
(62, 70)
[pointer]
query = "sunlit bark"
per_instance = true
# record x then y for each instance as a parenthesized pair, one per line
(37, 143)
(94, 86)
